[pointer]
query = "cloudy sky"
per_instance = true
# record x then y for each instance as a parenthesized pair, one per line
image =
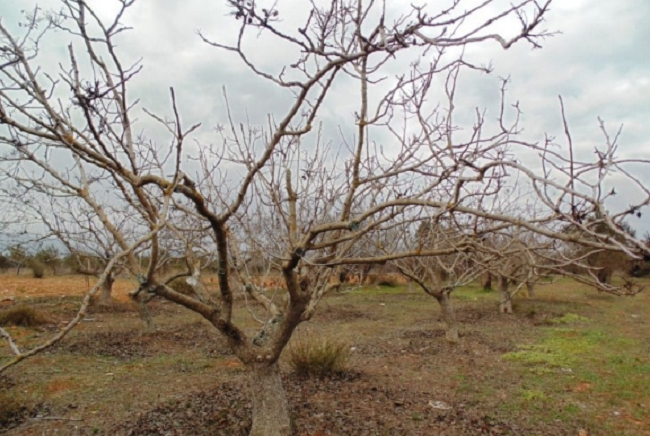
(599, 63)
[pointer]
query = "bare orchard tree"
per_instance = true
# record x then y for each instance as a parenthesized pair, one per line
(281, 189)
(440, 276)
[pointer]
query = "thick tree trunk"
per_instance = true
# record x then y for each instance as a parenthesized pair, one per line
(106, 292)
(530, 287)
(505, 305)
(449, 316)
(270, 404)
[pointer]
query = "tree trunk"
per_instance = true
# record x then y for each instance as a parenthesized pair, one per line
(270, 404)
(106, 291)
(487, 282)
(505, 305)
(363, 276)
(530, 287)
(449, 316)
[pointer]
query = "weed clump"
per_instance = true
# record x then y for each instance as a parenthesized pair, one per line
(23, 316)
(310, 357)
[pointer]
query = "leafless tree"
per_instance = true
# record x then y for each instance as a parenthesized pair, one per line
(282, 191)
(440, 276)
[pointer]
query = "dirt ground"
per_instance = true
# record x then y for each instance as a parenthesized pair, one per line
(571, 362)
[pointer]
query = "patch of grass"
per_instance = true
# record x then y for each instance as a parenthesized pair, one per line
(311, 357)
(568, 318)
(23, 316)
(559, 349)
(533, 395)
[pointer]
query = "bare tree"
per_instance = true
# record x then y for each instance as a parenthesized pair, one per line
(281, 189)
(440, 276)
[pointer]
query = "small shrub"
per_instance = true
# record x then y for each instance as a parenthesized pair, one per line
(310, 357)
(23, 316)
(38, 269)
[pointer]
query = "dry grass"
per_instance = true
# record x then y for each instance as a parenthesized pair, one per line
(313, 357)
(70, 285)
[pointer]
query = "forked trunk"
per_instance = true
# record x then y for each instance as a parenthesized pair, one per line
(505, 305)
(106, 291)
(270, 404)
(530, 287)
(449, 316)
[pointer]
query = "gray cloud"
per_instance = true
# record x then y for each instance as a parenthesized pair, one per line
(599, 64)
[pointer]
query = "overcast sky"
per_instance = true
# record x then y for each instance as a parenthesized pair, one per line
(600, 64)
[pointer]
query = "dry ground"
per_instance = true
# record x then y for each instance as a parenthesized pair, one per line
(572, 362)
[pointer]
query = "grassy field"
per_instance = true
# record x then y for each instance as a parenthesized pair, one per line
(570, 362)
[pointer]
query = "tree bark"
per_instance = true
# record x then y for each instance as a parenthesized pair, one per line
(270, 404)
(505, 305)
(530, 287)
(106, 291)
(449, 316)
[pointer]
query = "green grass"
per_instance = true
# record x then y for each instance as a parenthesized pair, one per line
(589, 368)
(561, 347)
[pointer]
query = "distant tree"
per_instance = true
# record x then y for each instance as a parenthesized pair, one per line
(18, 257)
(439, 276)
(5, 263)
(50, 257)
(602, 264)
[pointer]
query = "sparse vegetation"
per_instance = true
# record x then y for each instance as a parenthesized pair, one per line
(554, 378)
